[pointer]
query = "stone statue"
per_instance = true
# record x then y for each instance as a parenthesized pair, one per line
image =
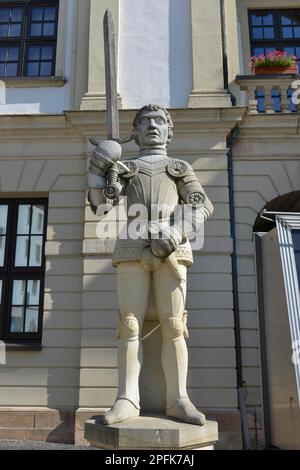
(161, 254)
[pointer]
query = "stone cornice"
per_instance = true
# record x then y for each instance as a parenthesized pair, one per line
(43, 126)
(85, 124)
(273, 126)
(274, 137)
(200, 120)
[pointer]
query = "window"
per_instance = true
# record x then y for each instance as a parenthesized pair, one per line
(275, 30)
(22, 269)
(28, 33)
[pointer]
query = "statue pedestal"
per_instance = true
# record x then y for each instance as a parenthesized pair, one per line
(155, 432)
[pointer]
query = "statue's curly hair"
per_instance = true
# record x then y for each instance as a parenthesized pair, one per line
(153, 107)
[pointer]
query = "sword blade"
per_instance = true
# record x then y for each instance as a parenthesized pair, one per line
(111, 77)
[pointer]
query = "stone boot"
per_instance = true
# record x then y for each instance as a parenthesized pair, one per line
(175, 366)
(121, 411)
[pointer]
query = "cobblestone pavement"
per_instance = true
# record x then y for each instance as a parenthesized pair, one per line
(30, 445)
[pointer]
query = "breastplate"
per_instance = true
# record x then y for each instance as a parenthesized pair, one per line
(151, 185)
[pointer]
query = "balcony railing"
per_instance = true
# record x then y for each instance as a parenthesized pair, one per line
(269, 94)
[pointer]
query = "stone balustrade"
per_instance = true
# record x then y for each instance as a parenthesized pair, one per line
(270, 94)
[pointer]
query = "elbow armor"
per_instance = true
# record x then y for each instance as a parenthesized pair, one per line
(189, 188)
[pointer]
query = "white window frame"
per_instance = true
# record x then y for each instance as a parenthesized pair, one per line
(285, 225)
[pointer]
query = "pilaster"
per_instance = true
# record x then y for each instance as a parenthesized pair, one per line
(95, 97)
(208, 82)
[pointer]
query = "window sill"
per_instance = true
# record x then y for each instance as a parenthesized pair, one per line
(33, 82)
(25, 346)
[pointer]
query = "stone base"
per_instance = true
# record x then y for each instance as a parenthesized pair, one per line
(37, 424)
(151, 432)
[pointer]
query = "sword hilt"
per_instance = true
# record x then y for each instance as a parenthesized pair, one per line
(112, 187)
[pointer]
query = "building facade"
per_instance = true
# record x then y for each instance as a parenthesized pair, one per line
(240, 132)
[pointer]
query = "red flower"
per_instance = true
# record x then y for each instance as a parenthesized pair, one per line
(272, 59)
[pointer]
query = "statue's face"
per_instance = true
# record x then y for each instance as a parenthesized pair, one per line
(152, 129)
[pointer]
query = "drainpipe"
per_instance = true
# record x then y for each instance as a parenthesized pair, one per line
(232, 139)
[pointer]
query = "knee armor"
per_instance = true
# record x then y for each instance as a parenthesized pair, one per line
(173, 328)
(128, 328)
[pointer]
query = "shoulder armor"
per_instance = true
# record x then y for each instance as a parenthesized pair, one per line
(132, 167)
(179, 169)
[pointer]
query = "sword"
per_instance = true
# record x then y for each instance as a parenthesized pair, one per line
(113, 130)
(171, 260)
(112, 115)
(112, 120)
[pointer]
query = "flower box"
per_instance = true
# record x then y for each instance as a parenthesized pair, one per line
(274, 63)
(291, 69)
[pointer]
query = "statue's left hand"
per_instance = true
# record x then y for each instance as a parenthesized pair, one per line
(162, 248)
(166, 242)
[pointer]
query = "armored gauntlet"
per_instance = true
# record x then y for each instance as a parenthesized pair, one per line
(167, 241)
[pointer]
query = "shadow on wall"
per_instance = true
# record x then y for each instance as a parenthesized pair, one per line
(180, 53)
(64, 431)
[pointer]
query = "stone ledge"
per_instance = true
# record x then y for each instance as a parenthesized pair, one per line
(93, 101)
(37, 424)
(151, 432)
(270, 76)
(33, 82)
(209, 99)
